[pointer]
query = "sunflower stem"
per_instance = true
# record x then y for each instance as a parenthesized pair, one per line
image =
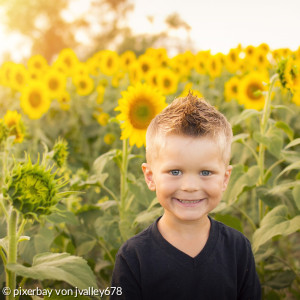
(12, 252)
(123, 187)
(262, 147)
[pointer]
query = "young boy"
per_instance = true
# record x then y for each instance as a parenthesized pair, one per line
(186, 254)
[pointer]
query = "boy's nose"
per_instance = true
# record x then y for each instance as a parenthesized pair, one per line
(190, 183)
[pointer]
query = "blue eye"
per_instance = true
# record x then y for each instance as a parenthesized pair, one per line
(205, 173)
(175, 172)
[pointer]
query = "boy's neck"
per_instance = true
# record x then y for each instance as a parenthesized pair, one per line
(188, 236)
(183, 228)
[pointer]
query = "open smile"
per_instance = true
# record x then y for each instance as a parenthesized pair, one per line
(184, 201)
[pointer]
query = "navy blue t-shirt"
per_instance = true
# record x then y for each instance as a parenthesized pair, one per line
(149, 268)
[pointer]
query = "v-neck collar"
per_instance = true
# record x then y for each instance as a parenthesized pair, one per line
(183, 258)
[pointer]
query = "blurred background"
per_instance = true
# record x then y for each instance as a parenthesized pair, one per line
(87, 26)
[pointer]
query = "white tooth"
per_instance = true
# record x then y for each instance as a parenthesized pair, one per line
(189, 201)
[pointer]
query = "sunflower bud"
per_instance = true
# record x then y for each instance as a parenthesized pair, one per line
(280, 70)
(60, 152)
(32, 189)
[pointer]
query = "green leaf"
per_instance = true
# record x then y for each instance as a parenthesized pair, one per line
(240, 137)
(286, 128)
(273, 140)
(58, 266)
(247, 113)
(296, 195)
(292, 143)
(240, 180)
(62, 216)
(85, 247)
(281, 279)
(43, 239)
(4, 244)
(293, 166)
(147, 217)
(230, 220)
(273, 224)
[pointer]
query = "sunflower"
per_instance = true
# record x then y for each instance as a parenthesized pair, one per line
(201, 62)
(19, 77)
(159, 55)
(138, 106)
(135, 74)
(103, 118)
(66, 61)
(260, 59)
(231, 88)
(151, 77)
(35, 100)
(6, 71)
(127, 58)
(84, 84)
(232, 60)
(292, 74)
(296, 97)
(167, 81)
(188, 88)
(250, 90)
(13, 121)
(214, 66)
(100, 93)
(37, 63)
(264, 47)
(179, 69)
(55, 82)
(109, 62)
(146, 63)
(109, 138)
(64, 100)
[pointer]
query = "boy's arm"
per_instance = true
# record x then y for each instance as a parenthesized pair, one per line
(125, 281)
(250, 289)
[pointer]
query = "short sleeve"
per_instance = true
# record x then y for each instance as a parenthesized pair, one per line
(250, 288)
(125, 281)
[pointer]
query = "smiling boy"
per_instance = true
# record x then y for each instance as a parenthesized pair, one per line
(185, 254)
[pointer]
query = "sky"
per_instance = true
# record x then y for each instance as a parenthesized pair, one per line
(222, 24)
(217, 25)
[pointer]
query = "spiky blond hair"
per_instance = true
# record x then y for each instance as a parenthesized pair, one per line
(189, 116)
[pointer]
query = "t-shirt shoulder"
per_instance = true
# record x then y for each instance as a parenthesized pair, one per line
(232, 236)
(137, 241)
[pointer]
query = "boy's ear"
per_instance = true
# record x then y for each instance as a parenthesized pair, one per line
(148, 176)
(226, 177)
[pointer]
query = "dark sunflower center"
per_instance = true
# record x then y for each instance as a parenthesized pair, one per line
(141, 114)
(19, 78)
(53, 84)
(213, 65)
(233, 57)
(82, 84)
(37, 65)
(234, 89)
(253, 91)
(109, 63)
(35, 99)
(68, 61)
(167, 82)
(145, 68)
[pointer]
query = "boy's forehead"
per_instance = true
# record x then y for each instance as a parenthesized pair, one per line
(161, 142)
(158, 144)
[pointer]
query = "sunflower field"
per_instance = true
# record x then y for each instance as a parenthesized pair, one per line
(72, 141)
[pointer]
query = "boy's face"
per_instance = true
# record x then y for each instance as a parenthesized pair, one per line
(189, 176)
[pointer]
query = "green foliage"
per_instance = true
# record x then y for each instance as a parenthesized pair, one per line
(58, 266)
